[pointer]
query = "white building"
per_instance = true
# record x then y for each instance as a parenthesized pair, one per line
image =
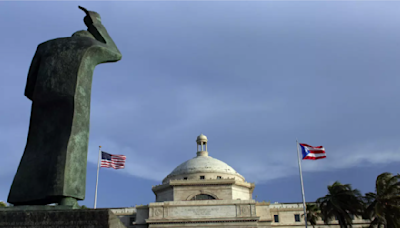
(206, 192)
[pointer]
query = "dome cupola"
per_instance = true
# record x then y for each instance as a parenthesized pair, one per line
(202, 145)
(203, 165)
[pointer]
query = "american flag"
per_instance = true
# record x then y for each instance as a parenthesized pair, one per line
(112, 161)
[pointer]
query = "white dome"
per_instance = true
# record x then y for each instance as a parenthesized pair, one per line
(203, 164)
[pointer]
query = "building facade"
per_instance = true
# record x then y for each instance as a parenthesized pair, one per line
(206, 192)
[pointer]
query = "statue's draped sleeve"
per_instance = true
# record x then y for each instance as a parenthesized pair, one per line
(101, 34)
(32, 75)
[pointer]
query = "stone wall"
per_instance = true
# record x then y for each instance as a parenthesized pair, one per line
(142, 213)
(286, 214)
(165, 195)
(126, 215)
(225, 213)
(27, 217)
(184, 193)
(263, 212)
(202, 209)
(223, 189)
(203, 213)
(240, 192)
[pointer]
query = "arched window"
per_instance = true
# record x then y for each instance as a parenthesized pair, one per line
(203, 197)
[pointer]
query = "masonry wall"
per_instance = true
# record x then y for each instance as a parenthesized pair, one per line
(142, 213)
(240, 192)
(165, 195)
(263, 211)
(126, 215)
(222, 192)
(126, 220)
(286, 215)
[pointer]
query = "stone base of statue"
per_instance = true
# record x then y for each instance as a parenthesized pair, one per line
(57, 217)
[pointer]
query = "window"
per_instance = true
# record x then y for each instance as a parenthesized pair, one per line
(203, 197)
(185, 178)
(202, 177)
(297, 218)
(219, 177)
(276, 218)
(352, 217)
(336, 217)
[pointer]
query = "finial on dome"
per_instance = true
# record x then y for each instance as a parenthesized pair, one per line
(202, 145)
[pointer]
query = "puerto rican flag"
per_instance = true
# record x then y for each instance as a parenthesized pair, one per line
(311, 152)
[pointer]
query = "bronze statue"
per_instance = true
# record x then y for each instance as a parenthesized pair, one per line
(53, 166)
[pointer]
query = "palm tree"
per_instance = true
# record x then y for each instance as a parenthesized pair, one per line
(313, 213)
(341, 202)
(383, 205)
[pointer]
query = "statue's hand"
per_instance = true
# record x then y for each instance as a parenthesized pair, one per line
(84, 9)
(91, 17)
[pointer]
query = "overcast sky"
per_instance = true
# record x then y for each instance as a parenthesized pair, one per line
(252, 76)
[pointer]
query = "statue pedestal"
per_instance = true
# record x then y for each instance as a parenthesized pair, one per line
(57, 217)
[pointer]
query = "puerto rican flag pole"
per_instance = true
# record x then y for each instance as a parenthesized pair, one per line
(302, 186)
(311, 153)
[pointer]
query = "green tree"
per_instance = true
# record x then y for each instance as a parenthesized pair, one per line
(83, 207)
(313, 213)
(341, 202)
(3, 204)
(383, 205)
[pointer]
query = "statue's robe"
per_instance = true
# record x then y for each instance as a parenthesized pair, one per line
(59, 81)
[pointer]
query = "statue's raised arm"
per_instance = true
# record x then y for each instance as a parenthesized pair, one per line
(96, 28)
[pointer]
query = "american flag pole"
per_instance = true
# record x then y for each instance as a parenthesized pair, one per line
(302, 185)
(97, 179)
